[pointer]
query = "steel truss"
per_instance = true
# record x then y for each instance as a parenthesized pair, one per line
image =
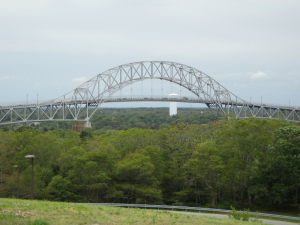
(80, 104)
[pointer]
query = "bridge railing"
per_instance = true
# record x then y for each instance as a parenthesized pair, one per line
(23, 103)
(153, 97)
(180, 98)
(108, 99)
(116, 98)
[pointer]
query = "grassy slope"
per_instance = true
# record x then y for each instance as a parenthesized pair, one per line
(13, 211)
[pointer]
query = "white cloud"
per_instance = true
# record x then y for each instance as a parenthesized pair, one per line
(259, 75)
(80, 79)
(4, 78)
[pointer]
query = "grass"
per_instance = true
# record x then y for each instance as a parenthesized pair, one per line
(26, 212)
(257, 217)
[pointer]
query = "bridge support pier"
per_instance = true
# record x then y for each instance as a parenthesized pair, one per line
(80, 125)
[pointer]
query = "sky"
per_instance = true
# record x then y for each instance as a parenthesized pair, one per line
(251, 47)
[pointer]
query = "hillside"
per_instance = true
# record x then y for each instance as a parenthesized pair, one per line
(24, 212)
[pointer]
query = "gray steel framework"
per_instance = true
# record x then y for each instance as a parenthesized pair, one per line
(81, 103)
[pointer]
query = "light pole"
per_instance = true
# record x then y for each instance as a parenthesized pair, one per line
(18, 191)
(32, 173)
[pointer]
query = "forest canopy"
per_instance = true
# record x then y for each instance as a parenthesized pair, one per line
(249, 163)
(125, 118)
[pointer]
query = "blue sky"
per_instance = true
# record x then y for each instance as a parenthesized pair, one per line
(50, 47)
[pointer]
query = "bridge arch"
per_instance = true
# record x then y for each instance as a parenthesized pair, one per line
(81, 103)
(209, 91)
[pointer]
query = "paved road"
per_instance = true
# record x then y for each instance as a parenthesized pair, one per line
(221, 216)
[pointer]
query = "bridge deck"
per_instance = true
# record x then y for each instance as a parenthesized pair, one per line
(91, 102)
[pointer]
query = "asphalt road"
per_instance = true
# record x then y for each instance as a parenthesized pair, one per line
(221, 216)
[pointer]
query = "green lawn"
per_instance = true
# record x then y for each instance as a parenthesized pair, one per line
(14, 211)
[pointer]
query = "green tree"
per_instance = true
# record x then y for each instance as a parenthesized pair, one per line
(135, 176)
(90, 175)
(61, 189)
(206, 164)
(282, 172)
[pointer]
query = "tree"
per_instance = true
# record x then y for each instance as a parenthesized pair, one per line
(90, 175)
(206, 165)
(86, 134)
(135, 176)
(244, 145)
(61, 189)
(282, 173)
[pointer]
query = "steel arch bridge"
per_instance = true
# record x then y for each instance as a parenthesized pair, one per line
(81, 103)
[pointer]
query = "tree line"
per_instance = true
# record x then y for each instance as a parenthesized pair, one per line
(125, 118)
(242, 163)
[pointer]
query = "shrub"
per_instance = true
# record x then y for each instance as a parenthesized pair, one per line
(244, 215)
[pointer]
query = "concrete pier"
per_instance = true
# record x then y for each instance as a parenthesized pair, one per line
(80, 125)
